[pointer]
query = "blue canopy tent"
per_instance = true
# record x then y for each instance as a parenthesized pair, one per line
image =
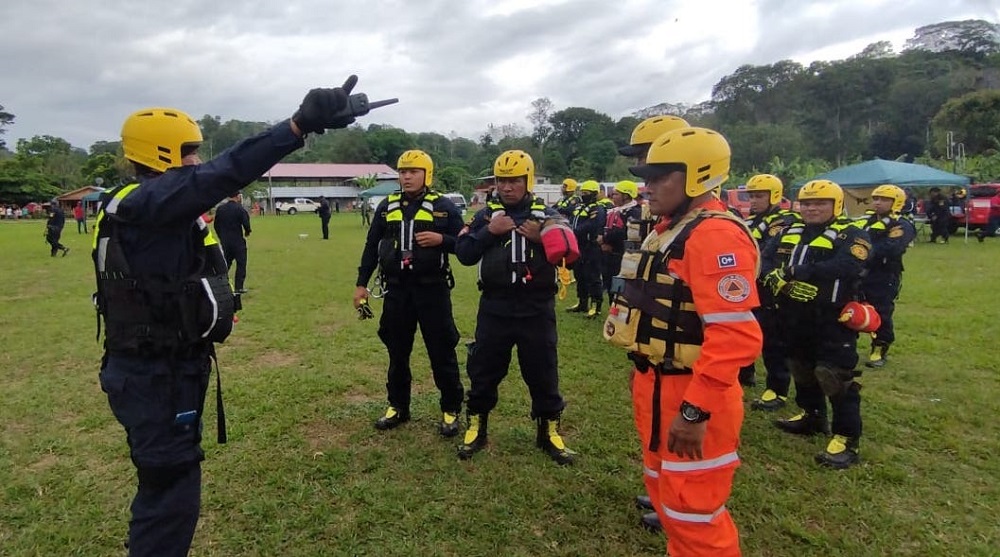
(858, 180)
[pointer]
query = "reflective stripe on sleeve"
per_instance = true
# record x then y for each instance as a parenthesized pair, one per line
(650, 472)
(696, 465)
(692, 517)
(728, 317)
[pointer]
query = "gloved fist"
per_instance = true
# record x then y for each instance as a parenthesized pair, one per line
(801, 291)
(775, 281)
(325, 108)
(365, 310)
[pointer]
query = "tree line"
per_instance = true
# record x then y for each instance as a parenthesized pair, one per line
(937, 103)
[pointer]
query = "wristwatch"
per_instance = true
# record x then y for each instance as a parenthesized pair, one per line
(692, 414)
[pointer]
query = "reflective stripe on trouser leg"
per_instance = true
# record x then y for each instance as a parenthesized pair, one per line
(694, 516)
(642, 407)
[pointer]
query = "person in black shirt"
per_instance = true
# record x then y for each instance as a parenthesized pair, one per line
(324, 216)
(232, 225)
(54, 228)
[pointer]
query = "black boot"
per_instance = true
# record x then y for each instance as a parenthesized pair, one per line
(595, 309)
(804, 423)
(549, 440)
(476, 435)
(748, 376)
(878, 356)
(643, 503)
(651, 522)
(580, 307)
(393, 418)
(841, 453)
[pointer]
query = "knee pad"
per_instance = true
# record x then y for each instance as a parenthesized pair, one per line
(801, 372)
(835, 380)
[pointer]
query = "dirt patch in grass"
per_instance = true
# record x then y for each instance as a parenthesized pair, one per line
(322, 435)
(276, 358)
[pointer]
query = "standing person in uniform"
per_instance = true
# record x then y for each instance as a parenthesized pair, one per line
(517, 305)
(685, 316)
(588, 224)
(232, 225)
(890, 235)
(324, 216)
(366, 213)
(938, 212)
(164, 296)
(614, 235)
(767, 221)
(410, 238)
(54, 227)
(814, 269)
(567, 204)
(637, 228)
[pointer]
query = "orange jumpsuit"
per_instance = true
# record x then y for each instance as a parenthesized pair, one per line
(719, 266)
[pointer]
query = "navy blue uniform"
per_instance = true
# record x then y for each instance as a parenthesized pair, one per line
(232, 224)
(159, 398)
(890, 237)
(418, 292)
(516, 309)
(766, 227)
(588, 223)
(821, 352)
(324, 217)
(53, 229)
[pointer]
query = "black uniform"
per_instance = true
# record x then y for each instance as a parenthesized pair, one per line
(53, 229)
(156, 363)
(939, 214)
(890, 236)
(588, 224)
(324, 216)
(418, 285)
(765, 228)
(516, 308)
(567, 205)
(616, 238)
(821, 352)
(232, 224)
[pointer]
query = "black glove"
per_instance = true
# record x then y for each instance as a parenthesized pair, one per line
(324, 109)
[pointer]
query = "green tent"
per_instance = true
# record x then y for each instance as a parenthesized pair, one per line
(858, 180)
(381, 190)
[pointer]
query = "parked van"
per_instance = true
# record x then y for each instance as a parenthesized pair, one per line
(458, 199)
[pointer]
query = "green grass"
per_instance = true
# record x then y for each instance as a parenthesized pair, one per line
(305, 474)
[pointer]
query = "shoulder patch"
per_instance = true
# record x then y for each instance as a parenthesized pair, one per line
(896, 232)
(440, 213)
(859, 251)
(726, 260)
(734, 288)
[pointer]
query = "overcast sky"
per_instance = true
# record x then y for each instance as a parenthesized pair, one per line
(76, 68)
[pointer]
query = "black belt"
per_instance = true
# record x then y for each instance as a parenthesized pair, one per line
(643, 365)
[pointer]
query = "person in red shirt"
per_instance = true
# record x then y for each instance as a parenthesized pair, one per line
(81, 218)
(685, 315)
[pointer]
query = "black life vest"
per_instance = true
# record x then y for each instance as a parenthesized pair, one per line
(157, 315)
(398, 252)
(515, 264)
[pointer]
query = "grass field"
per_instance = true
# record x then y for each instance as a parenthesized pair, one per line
(305, 474)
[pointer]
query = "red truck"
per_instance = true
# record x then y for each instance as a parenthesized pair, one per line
(982, 207)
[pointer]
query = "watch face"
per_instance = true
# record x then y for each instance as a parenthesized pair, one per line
(690, 413)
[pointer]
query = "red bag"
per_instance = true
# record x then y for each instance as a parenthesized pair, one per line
(560, 244)
(861, 317)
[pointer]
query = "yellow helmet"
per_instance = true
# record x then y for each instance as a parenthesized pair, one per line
(769, 183)
(648, 130)
(627, 187)
(417, 159)
(824, 189)
(155, 137)
(514, 163)
(895, 193)
(702, 153)
(590, 186)
(569, 185)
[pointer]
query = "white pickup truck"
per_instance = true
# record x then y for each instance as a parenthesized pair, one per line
(302, 204)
